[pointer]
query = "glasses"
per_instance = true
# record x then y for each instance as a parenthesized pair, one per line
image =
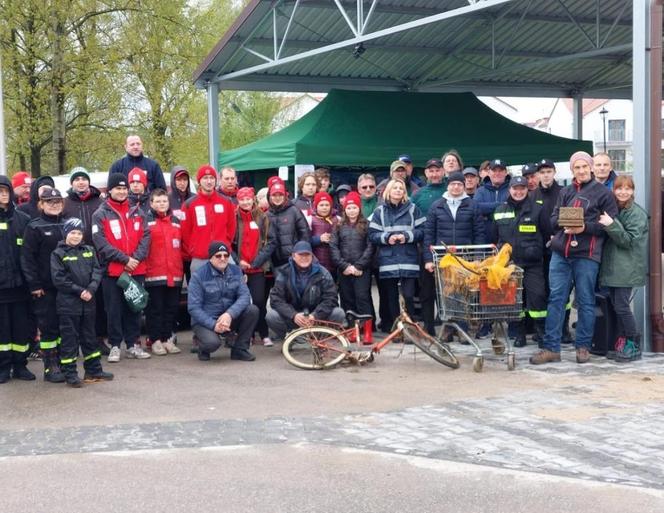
(366, 187)
(221, 256)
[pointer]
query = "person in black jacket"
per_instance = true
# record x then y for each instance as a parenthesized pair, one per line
(303, 292)
(32, 207)
(454, 220)
(352, 255)
(135, 158)
(287, 226)
(180, 190)
(76, 275)
(520, 223)
(15, 333)
(41, 237)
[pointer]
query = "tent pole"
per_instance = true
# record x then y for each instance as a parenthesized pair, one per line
(577, 129)
(214, 142)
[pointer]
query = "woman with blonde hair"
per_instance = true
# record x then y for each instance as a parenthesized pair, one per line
(395, 229)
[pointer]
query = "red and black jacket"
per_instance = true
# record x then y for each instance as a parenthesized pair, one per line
(120, 232)
(208, 217)
(164, 262)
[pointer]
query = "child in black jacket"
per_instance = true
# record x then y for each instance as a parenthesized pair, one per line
(76, 275)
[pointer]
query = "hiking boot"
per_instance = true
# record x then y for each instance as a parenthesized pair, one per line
(113, 355)
(21, 372)
(96, 377)
(170, 347)
(544, 356)
(52, 371)
(158, 348)
(73, 380)
(203, 356)
(243, 355)
(582, 355)
(631, 350)
(137, 353)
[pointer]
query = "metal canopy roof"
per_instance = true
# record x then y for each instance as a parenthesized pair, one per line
(492, 47)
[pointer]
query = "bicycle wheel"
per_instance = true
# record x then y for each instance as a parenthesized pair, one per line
(430, 346)
(315, 348)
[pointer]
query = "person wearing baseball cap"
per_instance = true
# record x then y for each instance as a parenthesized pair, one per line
(180, 190)
(520, 222)
(410, 174)
(122, 239)
(219, 303)
(472, 180)
(435, 187)
(21, 183)
(303, 293)
(207, 217)
(31, 207)
(40, 239)
(576, 257)
(399, 169)
(530, 172)
(492, 194)
(287, 226)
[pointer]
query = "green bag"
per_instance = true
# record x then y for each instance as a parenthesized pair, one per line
(135, 295)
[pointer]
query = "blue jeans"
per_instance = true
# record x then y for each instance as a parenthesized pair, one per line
(563, 272)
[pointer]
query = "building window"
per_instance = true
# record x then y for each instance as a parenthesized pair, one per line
(617, 159)
(616, 130)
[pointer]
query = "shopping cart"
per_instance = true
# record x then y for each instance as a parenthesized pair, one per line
(476, 304)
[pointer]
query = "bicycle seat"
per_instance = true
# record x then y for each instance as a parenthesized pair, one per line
(354, 316)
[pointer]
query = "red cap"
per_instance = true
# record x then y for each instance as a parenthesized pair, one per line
(205, 170)
(353, 198)
(322, 196)
(277, 188)
(274, 179)
(245, 192)
(21, 178)
(138, 175)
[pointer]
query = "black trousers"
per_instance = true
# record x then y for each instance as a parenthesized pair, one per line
(383, 310)
(428, 300)
(123, 324)
(355, 293)
(15, 334)
(257, 284)
(47, 320)
(244, 325)
(391, 289)
(534, 287)
(79, 331)
(620, 298)
(101, 322)
(161, 312)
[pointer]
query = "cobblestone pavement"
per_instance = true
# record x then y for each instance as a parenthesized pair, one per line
(562, 429)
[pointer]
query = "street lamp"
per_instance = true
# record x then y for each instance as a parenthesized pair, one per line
(603, 113)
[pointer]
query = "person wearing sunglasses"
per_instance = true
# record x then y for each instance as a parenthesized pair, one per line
(219, 303)
(366, 186)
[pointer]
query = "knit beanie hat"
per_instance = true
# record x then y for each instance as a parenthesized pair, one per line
(21, 178)
(116, 179)
(78, 171)
(580, 155)
(274, 179)
(71, 224)
(322, 196)
(245, 192)
(215, 247)
(457, 176)
(277, 188)
(138, 175)
(205, 170)
(352, 198)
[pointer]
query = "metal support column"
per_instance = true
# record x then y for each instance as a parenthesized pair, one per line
(577, 112)
(641, 138)
(3, 148)
(214, 141)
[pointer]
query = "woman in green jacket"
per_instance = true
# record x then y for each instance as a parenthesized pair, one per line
(624, 265)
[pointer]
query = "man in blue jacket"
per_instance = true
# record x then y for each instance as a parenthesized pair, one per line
(492, 193)
(219, 302)
(135, 158)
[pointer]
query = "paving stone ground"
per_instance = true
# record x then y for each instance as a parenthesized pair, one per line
(564, 428)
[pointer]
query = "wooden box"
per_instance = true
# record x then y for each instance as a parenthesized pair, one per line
(570, 217)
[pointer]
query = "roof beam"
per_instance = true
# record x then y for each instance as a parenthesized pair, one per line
(485, 4)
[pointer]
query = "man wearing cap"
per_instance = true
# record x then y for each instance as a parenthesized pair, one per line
(520, 223)
(36, 187)
(219, 302)
(471, 179)
(303, 292)
(180, 190)
(228, 188)
(530, 173)
(122, 240)
(136, 158)
(492, 194)
(435, 187)
(138, 196)
(207, 217)
(577, 252)
(398, 169)
(21, 183)
(404, 157)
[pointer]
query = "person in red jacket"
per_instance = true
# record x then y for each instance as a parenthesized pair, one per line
(122, 241)
(208, 217)
(250, 238)
(164, 274)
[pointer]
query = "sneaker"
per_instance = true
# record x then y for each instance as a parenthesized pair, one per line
(136, 352)
(113, 355)
(170, 347)
(267, 342)
(158, 348)
(582, 355)
(97, 377)
(631, 351)
(544, 356)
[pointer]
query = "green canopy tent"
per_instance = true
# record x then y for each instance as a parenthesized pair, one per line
(369, 128)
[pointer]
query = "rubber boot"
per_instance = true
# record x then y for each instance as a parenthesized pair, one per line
(52, 372)
(567, 335)
(368, 332)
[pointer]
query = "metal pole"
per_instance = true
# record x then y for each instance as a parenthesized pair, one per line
(3, 148)
(214, 143)
(577, 101)
(604, 130)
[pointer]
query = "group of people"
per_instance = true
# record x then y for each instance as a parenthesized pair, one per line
(67, 259)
